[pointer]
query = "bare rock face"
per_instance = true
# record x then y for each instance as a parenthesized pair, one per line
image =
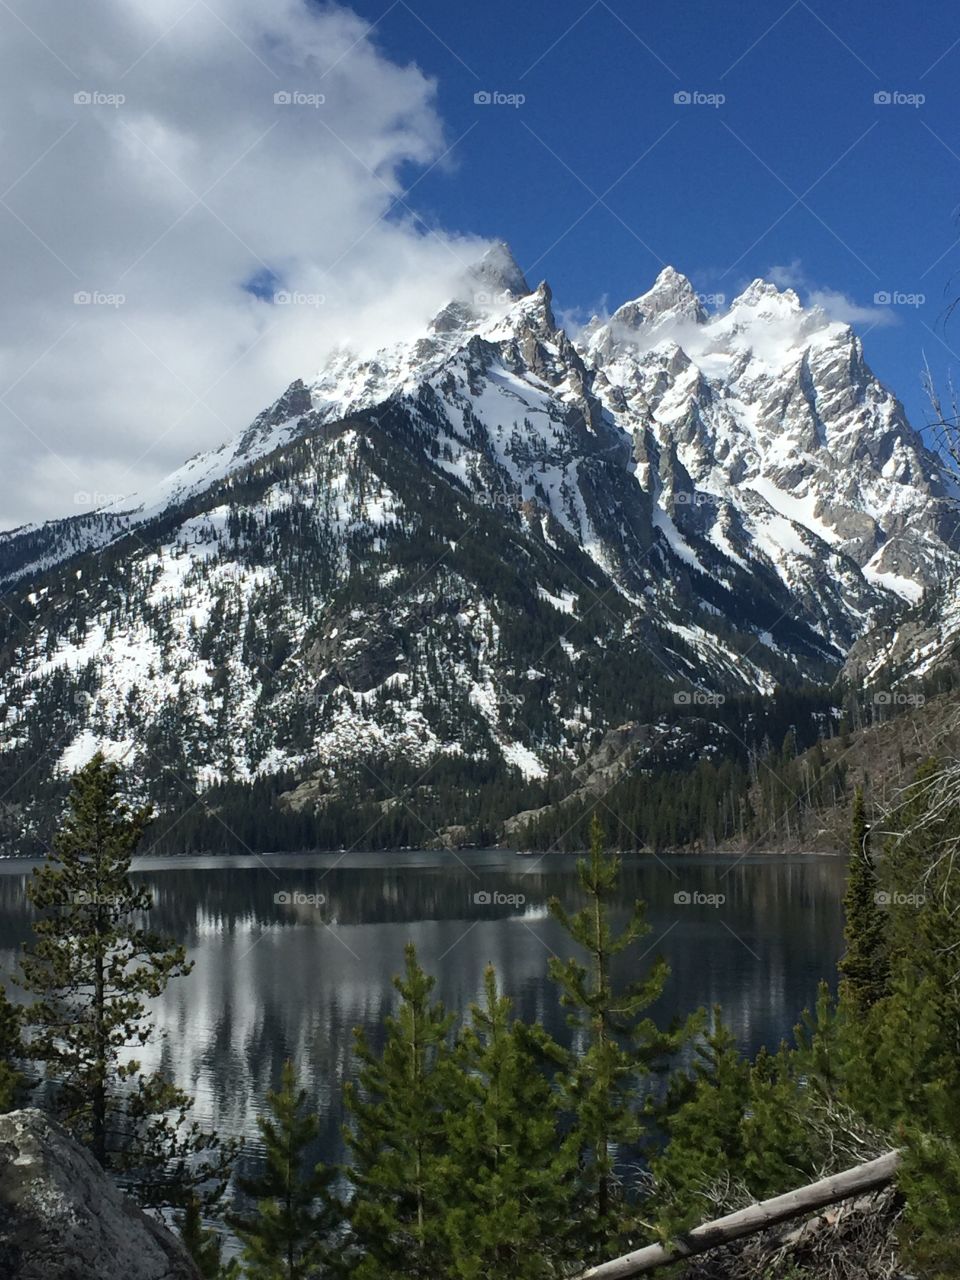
(61, 1218)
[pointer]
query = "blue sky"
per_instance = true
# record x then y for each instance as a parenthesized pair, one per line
(798, 168)
(161, 182)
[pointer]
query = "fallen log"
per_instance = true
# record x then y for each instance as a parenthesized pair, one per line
(860, 1180)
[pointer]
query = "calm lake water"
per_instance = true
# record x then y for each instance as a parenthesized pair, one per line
(276, 979)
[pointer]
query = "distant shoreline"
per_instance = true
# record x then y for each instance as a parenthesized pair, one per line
(8, 861)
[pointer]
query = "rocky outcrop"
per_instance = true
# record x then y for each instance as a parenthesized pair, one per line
(629, 748)
(61, 1218)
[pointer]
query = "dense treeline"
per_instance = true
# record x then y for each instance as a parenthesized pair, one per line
(385, 802)
(747, 771)
(388, 803)
(761, 775)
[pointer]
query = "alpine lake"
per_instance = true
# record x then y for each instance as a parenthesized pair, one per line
(291, 952)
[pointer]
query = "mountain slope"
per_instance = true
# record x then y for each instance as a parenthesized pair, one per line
(486, 547)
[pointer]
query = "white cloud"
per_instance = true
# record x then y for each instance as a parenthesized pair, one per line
(578, 322)
(175, 199)
(789, 276)
(836, 305)
(839, 307)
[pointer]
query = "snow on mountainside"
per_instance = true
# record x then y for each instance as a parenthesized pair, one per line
(922, 643)
(772, 407)
(490, 544)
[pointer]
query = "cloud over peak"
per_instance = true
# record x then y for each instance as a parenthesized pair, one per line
(168, 155)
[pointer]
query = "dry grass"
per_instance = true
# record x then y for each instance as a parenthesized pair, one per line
(852, 1241)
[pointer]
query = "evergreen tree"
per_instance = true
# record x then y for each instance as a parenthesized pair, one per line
(781, 1144)
(290, 1235)
(919, 871)
(11, 1049)
(865, 964)
(92, 966)
(888, 1075)
(397, 1135)
(204, 1246)
(907, 1066)
(510, 1169)
(604, 1084)
(705, 1152)
(929, 1179)
(822, 1047)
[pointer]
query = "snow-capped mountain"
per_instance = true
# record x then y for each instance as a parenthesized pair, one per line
(488, 546)
(773, 407)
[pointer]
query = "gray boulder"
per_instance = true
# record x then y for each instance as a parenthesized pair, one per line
(61, 1218)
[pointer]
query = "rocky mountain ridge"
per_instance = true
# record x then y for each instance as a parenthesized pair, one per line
(486, 548)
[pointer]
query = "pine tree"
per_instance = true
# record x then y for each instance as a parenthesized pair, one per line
(781, 1143)
(290, 1235)
(907, 1068)
(705, 1153)
(510, 1169)
(11, 1049)
(605, 1083)
(396, 1135)
(204, 1246)
(822, 1047)
(93, 966)
(865, 964)
(924, 912)
(929, 1233)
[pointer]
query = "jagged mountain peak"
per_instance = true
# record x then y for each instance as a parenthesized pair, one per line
(670, 288)
(763, 321)
(671, 298)
(765, 294)
(497, 272)
(772, 408)
(766, 397)
(534, 312)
